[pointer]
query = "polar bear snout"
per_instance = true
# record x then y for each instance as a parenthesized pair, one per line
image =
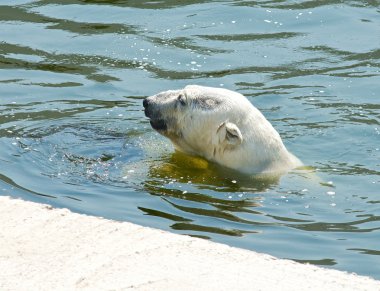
(147, 108)
(156, 121)
(145, 102)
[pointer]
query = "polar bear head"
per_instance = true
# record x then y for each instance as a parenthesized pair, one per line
(217, 124)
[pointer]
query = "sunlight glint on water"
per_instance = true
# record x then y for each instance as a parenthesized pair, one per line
(73, 75)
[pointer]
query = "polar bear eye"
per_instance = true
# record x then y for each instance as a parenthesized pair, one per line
(181, 99)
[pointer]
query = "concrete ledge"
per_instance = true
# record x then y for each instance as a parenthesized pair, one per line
(54, 249)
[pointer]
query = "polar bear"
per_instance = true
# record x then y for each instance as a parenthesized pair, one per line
(221, 126)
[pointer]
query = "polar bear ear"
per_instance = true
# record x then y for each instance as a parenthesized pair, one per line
(232, 134)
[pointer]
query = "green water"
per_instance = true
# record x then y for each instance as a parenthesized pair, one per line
(73, 75)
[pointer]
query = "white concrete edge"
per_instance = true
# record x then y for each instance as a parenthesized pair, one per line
(42, 248)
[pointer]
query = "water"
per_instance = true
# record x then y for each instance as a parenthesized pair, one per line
(73, 75)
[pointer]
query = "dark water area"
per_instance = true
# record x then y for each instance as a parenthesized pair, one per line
(73, 75)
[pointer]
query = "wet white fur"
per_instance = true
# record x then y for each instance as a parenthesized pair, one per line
(230, 131)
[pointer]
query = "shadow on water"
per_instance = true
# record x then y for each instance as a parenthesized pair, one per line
(82, 28)
(181, 180)
(308, 4)
(280, 4)
(38, 115)
(134, 3)
(184, 168)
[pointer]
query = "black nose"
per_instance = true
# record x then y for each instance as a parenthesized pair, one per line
(145, 103)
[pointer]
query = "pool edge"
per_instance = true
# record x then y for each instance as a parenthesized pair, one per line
(46, 248)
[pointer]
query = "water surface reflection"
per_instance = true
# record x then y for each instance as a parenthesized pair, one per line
(73, 75)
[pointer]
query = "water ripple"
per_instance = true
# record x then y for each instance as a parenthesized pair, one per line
(73, 133)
